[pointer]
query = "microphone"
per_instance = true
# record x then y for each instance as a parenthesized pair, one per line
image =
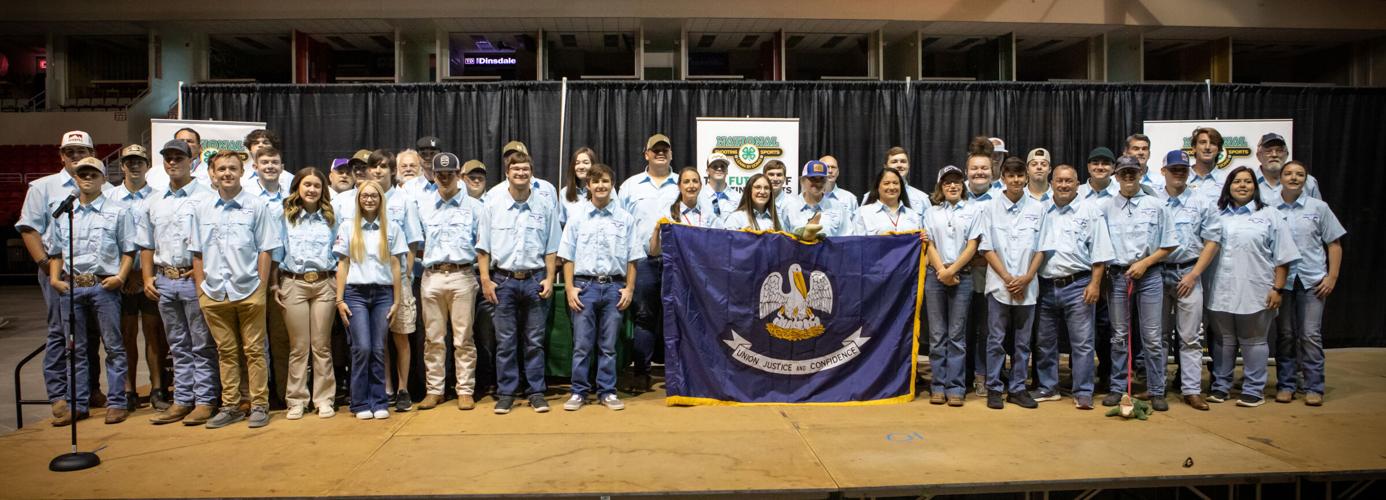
(65, 206)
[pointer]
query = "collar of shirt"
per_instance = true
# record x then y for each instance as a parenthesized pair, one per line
(1177, 201)
(814, 207)
(371, 225)
(140, 194)
(68, 181)
(456, 199)
(671, 179)
(239, 201)
(720, 195)
(886, 208)
(606, 210)
(1298, 203)
(1236, 210)
(94, 206)
(691, 210)
(1011, 206)
(520, 206)
(764, 212)
(979, 197)
(1194, 177)
(430, 186)
(1066, 209)
(1124, 202)
(178, 193)
(306, 215)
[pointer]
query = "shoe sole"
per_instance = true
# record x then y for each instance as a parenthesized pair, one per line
(210, 426)
(571, 408)
(1250, 405)
(500, 411)
(1042, 399)
(254, 425)
(541, 409)
(615, 408)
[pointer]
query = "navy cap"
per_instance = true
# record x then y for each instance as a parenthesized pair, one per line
(1177, 158)
(1272, 137)
(1101, 153)
(176, 145)
(815, 168)
(446, 162)
(1127, 162)
(949, 169)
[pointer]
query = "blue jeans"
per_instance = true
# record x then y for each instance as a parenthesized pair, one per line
(1065, 304)
(190, 343)
(1016, 320)
(946, 307)
(649, 311)
(104, 306)
(1250, 331)
(597, 324)
(1149, 292)
(369, 324)
(1300, 346)
(516, 301)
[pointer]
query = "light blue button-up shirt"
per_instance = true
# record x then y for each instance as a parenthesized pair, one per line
(877, 218)
(1204, 185)
(1253, 244)
(719, 203)
(835, 219)
(1154, 179)
(517, 235)
(399, 207)
(1195, 221)
(169, 226)
(43, 197)
(952, 225)
(1313, 225)
(1075, 238)
(230, 236)
(1270, 195)
(308, 244)
(738, 220)
(1139, 225)
(451, 228)
(919, 200)
(567, 208)
(601, 241)
(846, 199)
(138, 203)
(648, 202)
(105, 231)
(373, 269)
(699, 215)
(1086, 193)
(1013, 230)
(251, 179)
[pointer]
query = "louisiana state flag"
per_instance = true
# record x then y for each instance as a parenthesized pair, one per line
(762, 318)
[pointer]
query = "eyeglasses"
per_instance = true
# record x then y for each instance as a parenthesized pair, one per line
(87, 175)
(370, 196)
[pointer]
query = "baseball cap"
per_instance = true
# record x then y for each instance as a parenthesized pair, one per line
(90, 162)
(949, 169)
(1037, 153)
(718, 158)
(176, 145)
(1271, 137)
(427, 141)
(340, 163)
(362, 155)
(76, 138)
(446, 162)
(514, 146)
(1101, 153)
(1127, 162)
(815, 168)
(1177, 158)
(472, 166)
(656, 139)
(135, 150)
(997, 145)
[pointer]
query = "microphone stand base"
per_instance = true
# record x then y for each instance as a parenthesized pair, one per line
(77, 460)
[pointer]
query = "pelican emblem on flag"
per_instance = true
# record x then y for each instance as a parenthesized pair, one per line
(793, 309)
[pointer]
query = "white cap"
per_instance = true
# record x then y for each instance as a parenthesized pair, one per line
(998, 145)
(77, 138)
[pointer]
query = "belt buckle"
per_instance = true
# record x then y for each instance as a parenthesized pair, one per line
(311, 276)
(172, 273)
(84, 280)
(521, 275)
(603, 280)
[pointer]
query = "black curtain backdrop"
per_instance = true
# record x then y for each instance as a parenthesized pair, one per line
(1338, 131)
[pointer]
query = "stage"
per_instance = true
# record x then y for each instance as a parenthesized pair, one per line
(907, 449)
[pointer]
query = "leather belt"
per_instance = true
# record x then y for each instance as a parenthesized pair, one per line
(1182, 266)
(1068, 280)
(87, 280)
(599, 279)
(448, 267)
(175, 273)
(519, 275)
(310, 276)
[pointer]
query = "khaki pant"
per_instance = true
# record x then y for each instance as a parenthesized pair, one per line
(449, 297)
(279, 350)
(239, 326)
(309, 310)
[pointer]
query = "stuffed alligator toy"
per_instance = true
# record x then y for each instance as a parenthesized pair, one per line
(1130, 408)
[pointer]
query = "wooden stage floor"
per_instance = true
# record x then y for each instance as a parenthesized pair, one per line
(648, 449)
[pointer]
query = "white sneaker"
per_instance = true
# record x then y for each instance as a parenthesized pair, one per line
(382, 414)
(326, 412)
(611, 401)
(364, 415)
(575, 402)
(295, 412)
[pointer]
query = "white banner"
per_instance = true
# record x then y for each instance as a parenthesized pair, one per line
(216, 136)
(749, 143)
(1239, 138)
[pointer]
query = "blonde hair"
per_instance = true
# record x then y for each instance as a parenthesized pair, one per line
(358, 243)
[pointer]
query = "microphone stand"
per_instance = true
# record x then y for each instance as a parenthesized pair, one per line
(73, 460)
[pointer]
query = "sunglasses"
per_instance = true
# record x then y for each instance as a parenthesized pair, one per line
(87, 175)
